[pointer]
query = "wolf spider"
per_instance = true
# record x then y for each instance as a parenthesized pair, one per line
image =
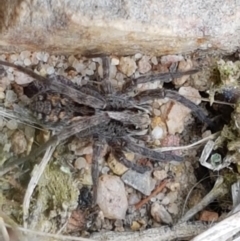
(101, 113)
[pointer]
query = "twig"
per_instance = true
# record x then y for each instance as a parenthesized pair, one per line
(174, 148)
(159, 188)
(37, 172)
(218, 190)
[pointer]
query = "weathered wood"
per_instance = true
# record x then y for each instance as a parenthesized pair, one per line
(119, 27)
(164, 233)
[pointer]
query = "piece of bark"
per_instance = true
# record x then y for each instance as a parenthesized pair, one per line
(119, 27)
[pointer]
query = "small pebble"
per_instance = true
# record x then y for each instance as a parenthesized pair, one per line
(50, 70)
(154, 60)
(160, 174)
(157, 132)
(190, 93)
(27, 62)
(143, 182)
(92, 66)
(111, 197)
(172, 196)
(127, 66)
(25, 55)
(173, 208)
(2, 95)
(160, 214)
(13, 58)
(10, 96)
(105, 170)
(168, 59)
(165, 201)
(133, 199)
(19, 142)
(138, 56)
(117, 167)
(173, 186)
(156, 112)
(135, 226)
(143, 65)
(12, 124)
(208, 216)
(115, 61)
(89, 72)
(183, 66)
(176, 116)
(45, 57)
(80, 163)
(7, 147)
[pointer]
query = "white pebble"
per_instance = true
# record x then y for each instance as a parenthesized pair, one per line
(138, 56)
(92, 66)
(154, 60)
(50, 70)
(25, 54)
(165, 201)
(39, 56)
(89, 72)
(71, 59)
(105, 170)
(10, 76)
(190, 93)
(13, 58)
(173, 208)
(78, 66)
(2, 95)
(133, 199)
(112, 71)
(45, 57)
(80, 163)
(12, 125)
(27, 62)
(157, 132)
(115, 61)
(10, 96)
(7, 147)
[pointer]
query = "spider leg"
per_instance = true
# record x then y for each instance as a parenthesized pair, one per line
(77, 127)
(140, 120)
(149, 153)
(60, 87)
(119, 155)
(98, 146)
(107, 87)
(148, 95)
(165, 77)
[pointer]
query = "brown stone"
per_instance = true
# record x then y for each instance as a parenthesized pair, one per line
(208, 216)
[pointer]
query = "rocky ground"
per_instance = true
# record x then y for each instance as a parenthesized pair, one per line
(127, 200)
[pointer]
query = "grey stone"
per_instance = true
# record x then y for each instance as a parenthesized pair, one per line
(142, 182)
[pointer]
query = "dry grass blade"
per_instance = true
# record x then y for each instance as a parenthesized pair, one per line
(174, 148)
(36, 174)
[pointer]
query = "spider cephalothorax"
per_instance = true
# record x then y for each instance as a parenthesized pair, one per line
(102, 114)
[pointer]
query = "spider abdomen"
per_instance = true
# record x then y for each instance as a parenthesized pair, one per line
(51, 108)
